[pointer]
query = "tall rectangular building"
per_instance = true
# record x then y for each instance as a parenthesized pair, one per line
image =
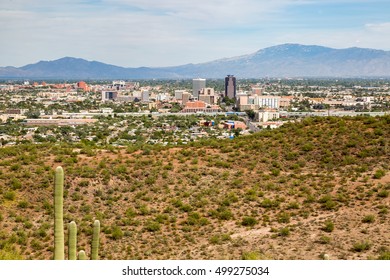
(197, 85)
(145, 96)
(230, 86)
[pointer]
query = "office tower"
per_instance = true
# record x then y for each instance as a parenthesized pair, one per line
(197, 85)
(145, 96)
(230, 86)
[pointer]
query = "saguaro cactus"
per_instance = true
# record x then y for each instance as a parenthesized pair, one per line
(95, 240)
(58, 214)
(59, 226)
(72, 252)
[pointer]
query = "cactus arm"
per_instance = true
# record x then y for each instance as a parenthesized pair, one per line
(58, 214)
(95, 240)
(82, 255)
(72, 241)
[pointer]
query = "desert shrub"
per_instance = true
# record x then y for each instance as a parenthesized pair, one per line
(253, 255)
(268, 203)
(219, 238)
(116, 233)
(324, 239)
(293, 205)
(284, 217)
(284, 231)
(361, 246)
(15, 184)
(221, 213)
(130, 213)
(229, 199)
(328, 226)
(36, 245)
(368, 219)
(9, 195)
(379, 174)
(23, 204)
(152, 226)
(83, 183)
(9, 253)
(161, 218)
(384, 256)
(275, 172)
(248, 221)
(327, 202)
(383, 193)
(307, 147)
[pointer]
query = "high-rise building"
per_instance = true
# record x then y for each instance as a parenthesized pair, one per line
(230, 86)
(145, 96)
(197, 85)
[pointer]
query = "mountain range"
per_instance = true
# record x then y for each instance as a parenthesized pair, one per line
(287, 60)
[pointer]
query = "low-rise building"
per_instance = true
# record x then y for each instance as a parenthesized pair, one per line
(267, 114)
(58, 122)
(200, 107)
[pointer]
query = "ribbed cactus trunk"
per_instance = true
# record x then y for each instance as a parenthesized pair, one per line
(58, 214)
(82, 255)
(72, 252)
(95, 240)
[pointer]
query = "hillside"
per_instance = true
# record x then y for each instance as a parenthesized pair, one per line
(320, 186)
(287, 60)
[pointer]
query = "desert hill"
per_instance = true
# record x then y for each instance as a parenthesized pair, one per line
(315, 187)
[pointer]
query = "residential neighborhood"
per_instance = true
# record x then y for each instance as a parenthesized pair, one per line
(163, 112)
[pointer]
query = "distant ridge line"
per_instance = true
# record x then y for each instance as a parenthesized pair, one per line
(286, 60)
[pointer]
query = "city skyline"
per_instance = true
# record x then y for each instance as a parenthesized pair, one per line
(136, 33)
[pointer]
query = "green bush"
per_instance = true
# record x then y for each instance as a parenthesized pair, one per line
(361, 246)
(328, 226)
(324, 239)
(383, 193)
(116, 233)
(368, 219)
(10, 195)
(284, 217)
(9, 253)
(379, 174)
(384, 256)
(284, 231)
(152, 226)
(248, 221)
(253, 256)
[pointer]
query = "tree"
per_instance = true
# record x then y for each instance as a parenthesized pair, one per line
(251, 114)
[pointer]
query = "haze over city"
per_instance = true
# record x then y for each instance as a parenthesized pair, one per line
(137, 33)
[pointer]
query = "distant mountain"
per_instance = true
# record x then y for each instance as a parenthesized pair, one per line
(288, 60)
(77, 68)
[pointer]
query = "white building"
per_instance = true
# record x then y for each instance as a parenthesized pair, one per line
(179, 94)
(267, 101)
(267, 115)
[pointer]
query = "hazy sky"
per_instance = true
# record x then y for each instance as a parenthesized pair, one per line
(137, 33)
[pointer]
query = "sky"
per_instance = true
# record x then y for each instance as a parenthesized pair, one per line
(157, 33)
